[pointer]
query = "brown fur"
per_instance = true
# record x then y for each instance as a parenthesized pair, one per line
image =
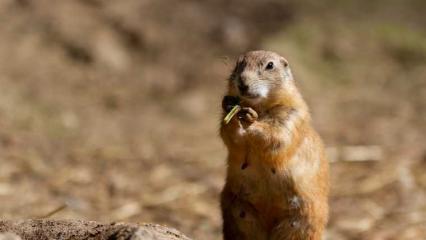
(277, 177)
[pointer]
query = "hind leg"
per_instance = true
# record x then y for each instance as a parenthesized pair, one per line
(240, 221)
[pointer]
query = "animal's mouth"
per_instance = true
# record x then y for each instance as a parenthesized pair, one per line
(251, 93)
(251, 96)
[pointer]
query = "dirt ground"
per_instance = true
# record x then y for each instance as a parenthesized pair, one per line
(111, 108)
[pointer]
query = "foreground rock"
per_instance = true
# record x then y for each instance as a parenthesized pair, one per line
(79, 230)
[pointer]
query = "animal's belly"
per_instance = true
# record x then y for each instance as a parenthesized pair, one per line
(267, 193)
(267, 189)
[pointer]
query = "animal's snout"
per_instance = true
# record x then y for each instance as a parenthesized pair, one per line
(243, 87)
(242, 84)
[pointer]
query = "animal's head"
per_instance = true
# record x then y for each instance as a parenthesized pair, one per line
(260, 75)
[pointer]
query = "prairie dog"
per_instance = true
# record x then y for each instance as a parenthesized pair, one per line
(277, 176)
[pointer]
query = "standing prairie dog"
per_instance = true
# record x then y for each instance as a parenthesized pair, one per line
(277, 177)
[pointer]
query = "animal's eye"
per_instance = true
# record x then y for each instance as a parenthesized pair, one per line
(269, 66)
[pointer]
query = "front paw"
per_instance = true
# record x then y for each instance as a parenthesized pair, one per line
(247, 116)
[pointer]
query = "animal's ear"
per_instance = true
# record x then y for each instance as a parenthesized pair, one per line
(287, 71)
(284, 62)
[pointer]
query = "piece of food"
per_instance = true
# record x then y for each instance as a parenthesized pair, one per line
(231, 114)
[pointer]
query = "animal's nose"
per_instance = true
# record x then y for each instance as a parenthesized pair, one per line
(242, 87)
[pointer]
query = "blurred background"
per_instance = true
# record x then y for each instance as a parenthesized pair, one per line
(112, 107)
